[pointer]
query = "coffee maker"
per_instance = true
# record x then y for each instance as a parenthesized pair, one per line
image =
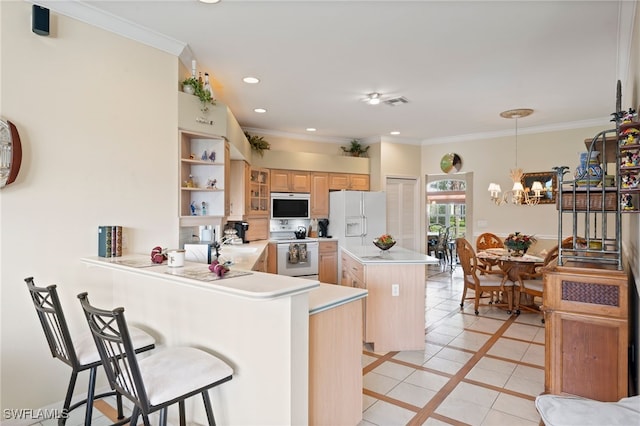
(241, 228)
(323, 228)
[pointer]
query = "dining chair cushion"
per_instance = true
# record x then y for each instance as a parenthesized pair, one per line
(174, 372)
(535, 285)
(87, 352)
(493, 280)
(558, 410)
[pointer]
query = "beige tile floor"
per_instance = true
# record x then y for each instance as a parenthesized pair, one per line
(474, 370)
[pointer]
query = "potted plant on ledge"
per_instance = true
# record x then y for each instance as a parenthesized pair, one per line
(355, 149)
(195, 87)
(257, 143)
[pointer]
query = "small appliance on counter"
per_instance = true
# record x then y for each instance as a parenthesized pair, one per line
(323, 228)
(241, 228)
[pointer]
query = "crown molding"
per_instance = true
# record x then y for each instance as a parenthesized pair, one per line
(595, 122)
(85, 12)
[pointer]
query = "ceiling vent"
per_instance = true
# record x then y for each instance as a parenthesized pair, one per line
(396, 101)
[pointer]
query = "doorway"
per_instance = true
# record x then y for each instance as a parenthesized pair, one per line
(403, 213)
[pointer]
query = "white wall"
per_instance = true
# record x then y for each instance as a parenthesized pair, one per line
(97, 115)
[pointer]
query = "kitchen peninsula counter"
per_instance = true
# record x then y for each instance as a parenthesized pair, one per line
(275, 331)
(395, 304)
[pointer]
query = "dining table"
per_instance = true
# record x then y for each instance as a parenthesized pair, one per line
(513, 266)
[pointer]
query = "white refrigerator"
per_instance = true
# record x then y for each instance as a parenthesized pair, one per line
(357, 217)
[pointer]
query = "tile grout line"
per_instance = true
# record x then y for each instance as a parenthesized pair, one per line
(441, 395)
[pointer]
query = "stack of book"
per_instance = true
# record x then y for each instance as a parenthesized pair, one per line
(109, 241)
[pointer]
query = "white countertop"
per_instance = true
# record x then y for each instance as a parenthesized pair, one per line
(329, 296)
(370, 254)
(246, 283)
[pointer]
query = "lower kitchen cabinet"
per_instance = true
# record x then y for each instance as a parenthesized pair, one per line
(586, 330)
(328, 262)
(393, 318)
(335, 369)
(272, 258)
(258, 228)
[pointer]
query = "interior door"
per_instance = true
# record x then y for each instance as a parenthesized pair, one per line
(403, 211)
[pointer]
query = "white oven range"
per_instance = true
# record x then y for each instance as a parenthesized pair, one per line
(297, 257)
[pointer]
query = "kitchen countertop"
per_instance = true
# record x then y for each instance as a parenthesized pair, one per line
(370, 254)
(238, 282)
(329, 296)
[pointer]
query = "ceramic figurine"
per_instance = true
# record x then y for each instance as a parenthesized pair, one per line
(211, 183)
(627, 202)
(204, 156)
(193, 209)
(212, 157)
(204, 208)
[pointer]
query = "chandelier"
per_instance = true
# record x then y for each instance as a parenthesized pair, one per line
(517, 195)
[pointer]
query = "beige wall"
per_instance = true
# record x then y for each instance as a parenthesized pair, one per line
(97, 115)
(490, 161)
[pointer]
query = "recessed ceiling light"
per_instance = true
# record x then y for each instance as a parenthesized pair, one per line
(373, 98)
(395, 132)
(210, 1)
(260, 110)
(311, 129)
(251, 80)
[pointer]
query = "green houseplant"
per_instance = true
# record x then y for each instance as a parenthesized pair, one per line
(198, 90)
(257, 143)
(355, 149)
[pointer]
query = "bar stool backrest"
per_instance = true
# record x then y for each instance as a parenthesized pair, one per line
(111, 334)
(53, 322)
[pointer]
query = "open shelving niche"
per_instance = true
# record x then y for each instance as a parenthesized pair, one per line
(595, 212)
(192, 147)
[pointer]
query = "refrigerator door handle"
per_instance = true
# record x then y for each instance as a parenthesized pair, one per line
(364, 226)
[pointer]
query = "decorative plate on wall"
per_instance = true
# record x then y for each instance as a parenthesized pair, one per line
(451, 163)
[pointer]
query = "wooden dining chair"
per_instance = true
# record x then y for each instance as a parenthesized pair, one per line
(485, 241)
(491, 283)
(532, 284)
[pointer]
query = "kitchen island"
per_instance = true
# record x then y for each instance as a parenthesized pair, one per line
(394, 318)
(258, 323)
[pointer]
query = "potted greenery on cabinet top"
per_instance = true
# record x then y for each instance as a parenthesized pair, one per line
(355, 149)
(257, 143)
(194, 86)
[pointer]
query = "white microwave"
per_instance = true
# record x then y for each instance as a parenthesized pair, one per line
(290, 205)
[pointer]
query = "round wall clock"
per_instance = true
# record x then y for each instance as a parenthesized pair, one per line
(451, 163)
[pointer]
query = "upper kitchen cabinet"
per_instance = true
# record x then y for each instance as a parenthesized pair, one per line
(249, 191)
(353, 182)
(319, 195)
(290, 181)
(204, 172)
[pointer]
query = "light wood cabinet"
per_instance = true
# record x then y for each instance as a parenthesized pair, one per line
(258, 192)
(239, 191)
(290, 181)
(319, 195)
(391, 322)
(586, 328)
(258, 228)
(272, 258)
(353, 182)
(328, 262)
(335, 369)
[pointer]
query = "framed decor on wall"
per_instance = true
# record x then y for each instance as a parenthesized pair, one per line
(549, 185)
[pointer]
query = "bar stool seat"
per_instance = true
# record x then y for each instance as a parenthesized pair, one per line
(165, 377)
(78, 351)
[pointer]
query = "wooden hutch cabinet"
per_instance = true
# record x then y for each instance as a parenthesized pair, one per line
(586, 330)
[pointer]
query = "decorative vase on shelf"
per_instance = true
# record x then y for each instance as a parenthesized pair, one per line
(589, 172)
(189, 89)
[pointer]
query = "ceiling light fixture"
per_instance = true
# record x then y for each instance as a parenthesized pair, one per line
(395, 133)
(251, 80)
(517, 195)
(373, 98)
(260, 110)
(311, 129)
(209, 1)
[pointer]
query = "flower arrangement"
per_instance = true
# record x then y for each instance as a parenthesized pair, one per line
(519, 242)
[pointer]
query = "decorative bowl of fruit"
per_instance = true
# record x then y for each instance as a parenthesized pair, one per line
(384, 242)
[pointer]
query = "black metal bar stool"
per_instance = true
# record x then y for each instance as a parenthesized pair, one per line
(163, 378)
(78, 352)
